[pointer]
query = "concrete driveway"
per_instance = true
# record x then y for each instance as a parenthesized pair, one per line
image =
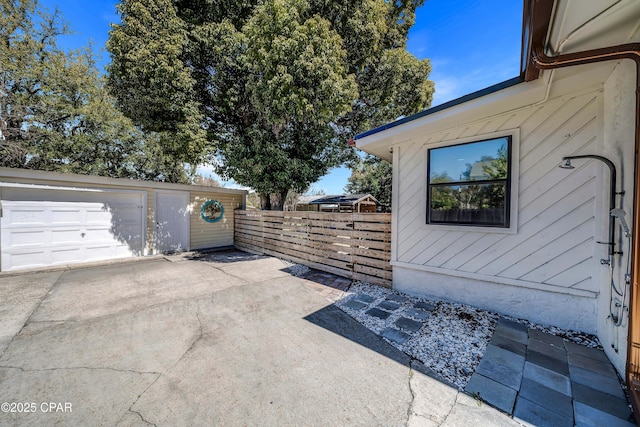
(227, 339)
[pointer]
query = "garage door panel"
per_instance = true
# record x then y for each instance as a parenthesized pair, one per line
(72, 228)
(60, 216)
(26, 216)
(25, 238)
(28, 259)
(99, 234)
(66, 255)
(65, 235)
(98, 252)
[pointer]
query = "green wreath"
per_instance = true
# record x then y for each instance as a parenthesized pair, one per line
(212, 211)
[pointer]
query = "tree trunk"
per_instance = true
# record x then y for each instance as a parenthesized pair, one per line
(265, 202)
(279, 200)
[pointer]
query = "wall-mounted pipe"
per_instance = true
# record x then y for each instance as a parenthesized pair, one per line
(612, 196)
(626, 51)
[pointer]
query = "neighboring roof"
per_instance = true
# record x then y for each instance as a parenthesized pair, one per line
(305, 200)
(341, 199)
(78, 180)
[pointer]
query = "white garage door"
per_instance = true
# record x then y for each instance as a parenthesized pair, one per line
(55, 227)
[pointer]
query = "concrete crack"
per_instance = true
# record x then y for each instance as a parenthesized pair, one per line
(37, 306)
(455, 402)
(141, 417)
(90, 368)
(193, 343)
(198, 338)
(410, 411)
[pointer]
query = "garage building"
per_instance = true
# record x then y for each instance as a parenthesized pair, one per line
(52, 218)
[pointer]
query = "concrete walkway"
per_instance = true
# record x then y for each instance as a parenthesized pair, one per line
(222, 339)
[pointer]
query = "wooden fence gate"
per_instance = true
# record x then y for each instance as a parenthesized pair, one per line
(352, 245)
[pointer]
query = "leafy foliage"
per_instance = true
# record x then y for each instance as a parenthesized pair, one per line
(371, 176)
(55, 111)
(272, 89)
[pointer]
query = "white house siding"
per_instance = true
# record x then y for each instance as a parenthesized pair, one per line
(618, 143)
(548, 269)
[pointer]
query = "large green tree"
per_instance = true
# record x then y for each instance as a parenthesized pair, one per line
(371, 175)
(55, 111)
(269, 90)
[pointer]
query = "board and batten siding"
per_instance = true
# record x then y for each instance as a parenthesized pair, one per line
(212, 234)
(553, 248)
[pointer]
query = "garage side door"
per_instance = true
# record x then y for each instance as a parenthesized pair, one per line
(68, 228)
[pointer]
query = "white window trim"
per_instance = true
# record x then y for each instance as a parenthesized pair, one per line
(515, 191)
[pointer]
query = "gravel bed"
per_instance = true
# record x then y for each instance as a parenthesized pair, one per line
(453, 337)
(295, 269)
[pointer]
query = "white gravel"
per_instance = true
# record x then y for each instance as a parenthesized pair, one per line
(295, 269)
(453, 337)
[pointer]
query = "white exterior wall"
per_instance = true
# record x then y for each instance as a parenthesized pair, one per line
(618, 143)
(548, 268)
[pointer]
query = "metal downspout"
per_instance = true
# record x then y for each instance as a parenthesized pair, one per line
(625, 51)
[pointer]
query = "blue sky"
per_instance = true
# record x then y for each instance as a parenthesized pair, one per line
(472, 44)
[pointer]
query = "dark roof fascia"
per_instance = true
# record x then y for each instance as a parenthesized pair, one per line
(470, 97)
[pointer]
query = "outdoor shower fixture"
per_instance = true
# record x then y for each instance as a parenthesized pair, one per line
(612, 194)
(616, 303)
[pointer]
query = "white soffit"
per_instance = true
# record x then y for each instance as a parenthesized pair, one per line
(582, 25)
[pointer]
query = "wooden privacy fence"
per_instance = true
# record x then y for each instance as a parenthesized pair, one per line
(352, 245)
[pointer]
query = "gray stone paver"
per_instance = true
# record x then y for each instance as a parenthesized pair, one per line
(547, 377)
(546, 397)
(355, 305)
(554, 340)
(388, 305)
(547, 349)
(512, 334)
(365, 298)
(421, 305)
(586, 415)
(562, 383)
(605, 402)
(498, 395)
(512, 325)
(537, 415)
(592, 365)
(502, 366)
(546, 361)
(408, 325)
(610, 385)
(508, 344)
(375, 312)
(397, 298)
(593, 353)
(417, 314)
(396, 335)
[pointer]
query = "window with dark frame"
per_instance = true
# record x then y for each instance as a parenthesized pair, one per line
(469, 184)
